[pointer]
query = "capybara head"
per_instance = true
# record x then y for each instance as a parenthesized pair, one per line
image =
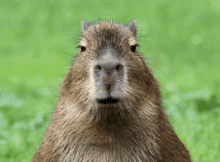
(108, 74)
(109, 106)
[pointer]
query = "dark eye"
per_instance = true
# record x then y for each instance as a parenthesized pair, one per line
(83, 49)
(133, 47)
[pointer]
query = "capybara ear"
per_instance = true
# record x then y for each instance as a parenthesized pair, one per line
(85, 25)
(131, 26)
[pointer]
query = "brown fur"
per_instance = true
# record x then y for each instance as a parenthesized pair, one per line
(136, 130)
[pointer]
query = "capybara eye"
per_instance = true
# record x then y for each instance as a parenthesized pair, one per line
(133, 48)
(83, 49)
(119, 67)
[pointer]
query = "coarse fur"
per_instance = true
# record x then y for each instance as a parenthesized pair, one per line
(136, 129)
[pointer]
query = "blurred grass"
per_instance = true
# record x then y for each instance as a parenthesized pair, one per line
(181, 44)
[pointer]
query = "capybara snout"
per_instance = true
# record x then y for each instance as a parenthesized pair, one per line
(109, 76)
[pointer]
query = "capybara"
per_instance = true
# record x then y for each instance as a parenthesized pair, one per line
(109, 106)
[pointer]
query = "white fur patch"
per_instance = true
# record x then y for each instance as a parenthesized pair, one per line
(91, 85)
(82, 43)
(132, 41)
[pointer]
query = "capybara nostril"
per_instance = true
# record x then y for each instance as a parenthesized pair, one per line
(119, 67)
(98, 68)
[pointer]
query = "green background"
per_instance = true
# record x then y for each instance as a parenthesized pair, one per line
(180, 40)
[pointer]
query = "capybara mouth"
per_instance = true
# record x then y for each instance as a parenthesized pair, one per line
(108, 100)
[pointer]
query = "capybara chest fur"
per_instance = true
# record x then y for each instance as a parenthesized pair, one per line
(109, 107)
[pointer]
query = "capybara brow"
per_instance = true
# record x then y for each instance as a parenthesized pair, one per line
(109, 107)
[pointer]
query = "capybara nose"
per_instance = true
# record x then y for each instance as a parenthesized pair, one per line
(109, 68)
(109, 74)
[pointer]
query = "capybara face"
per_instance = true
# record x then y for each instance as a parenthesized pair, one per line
(108, 69)
(111, 58)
